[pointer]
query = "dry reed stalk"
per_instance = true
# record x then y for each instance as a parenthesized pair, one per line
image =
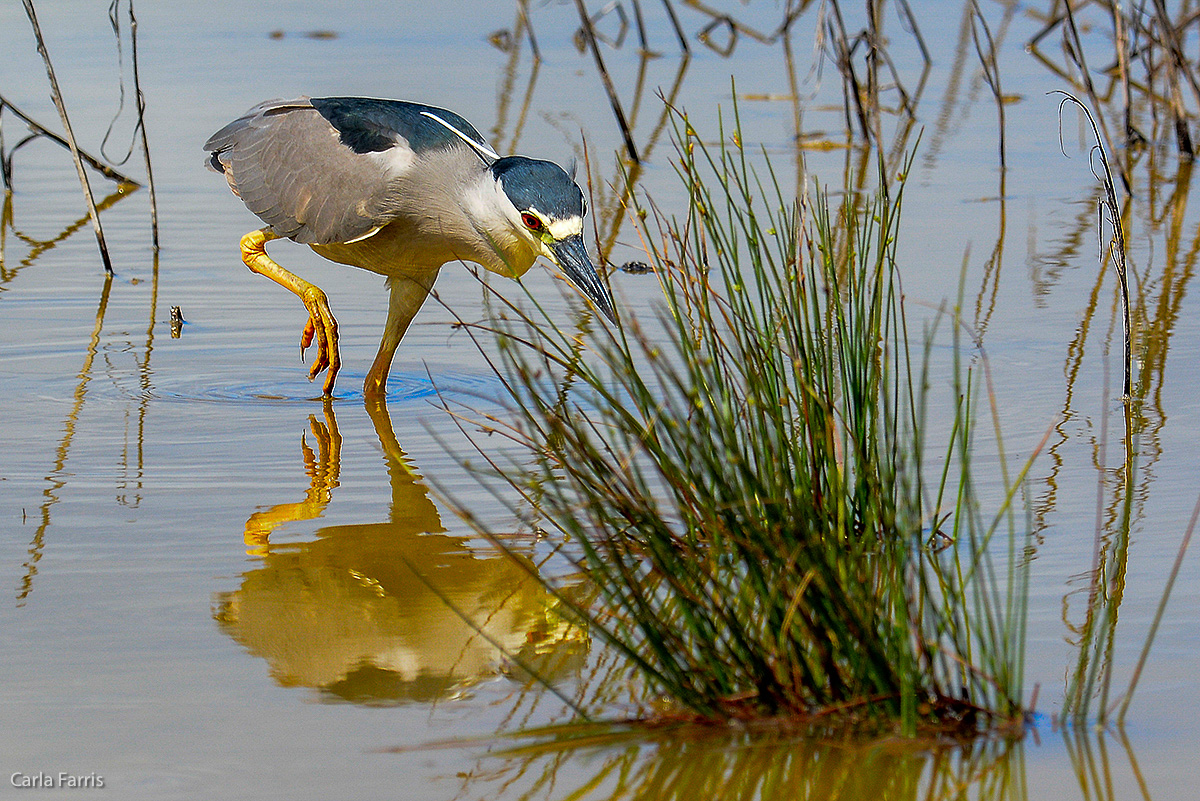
(991, 69)
(39, 130)
(141, 124)
(62, 112)
(1074, 48)
(527, 23)
(590, 34)
(851, 86)
(1158, 615)
(1116, 247)
(1177, 66)
(683, 45)
(1121, 45)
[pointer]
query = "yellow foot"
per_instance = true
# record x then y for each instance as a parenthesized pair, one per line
(324, 328)
(321, 323)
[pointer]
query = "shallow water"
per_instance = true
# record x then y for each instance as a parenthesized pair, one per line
(220, 587)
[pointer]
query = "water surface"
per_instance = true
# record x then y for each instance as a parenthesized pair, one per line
(218, 586)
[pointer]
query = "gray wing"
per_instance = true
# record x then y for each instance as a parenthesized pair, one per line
(323, 170)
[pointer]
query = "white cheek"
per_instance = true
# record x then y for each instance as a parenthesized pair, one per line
(561, 229)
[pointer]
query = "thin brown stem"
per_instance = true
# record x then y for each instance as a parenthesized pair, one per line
(62, 112)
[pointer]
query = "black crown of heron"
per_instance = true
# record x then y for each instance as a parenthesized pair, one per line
(399, 189)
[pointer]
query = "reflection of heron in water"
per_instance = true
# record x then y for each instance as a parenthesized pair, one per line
(392, 611)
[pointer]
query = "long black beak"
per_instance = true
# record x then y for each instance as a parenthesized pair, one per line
(575, 263)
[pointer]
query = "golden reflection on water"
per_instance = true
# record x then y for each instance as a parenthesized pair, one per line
(681, 764)
(686, 763)
(391, 611)
(57, 477)
(39, 246)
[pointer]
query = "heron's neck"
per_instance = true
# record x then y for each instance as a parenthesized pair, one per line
(500, 246)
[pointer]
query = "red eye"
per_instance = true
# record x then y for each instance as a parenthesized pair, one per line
(531, 222)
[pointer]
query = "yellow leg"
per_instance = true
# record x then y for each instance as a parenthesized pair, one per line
(408, 292)
(320, 319)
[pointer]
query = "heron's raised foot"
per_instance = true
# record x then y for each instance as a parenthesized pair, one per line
(321, 323)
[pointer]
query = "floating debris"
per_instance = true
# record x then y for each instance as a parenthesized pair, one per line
(280, 34)
(636, 268)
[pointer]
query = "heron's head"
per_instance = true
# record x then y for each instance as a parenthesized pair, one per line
(548, 210)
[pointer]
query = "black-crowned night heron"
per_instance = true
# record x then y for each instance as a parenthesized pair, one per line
(399, 189)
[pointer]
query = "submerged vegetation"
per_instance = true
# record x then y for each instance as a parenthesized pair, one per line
(748, 482)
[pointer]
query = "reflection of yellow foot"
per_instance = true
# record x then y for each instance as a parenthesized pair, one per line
(323, 469)
(321, 322)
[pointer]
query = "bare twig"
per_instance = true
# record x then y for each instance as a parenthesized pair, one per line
(141, 124)
(850, 83)
(139, 127)
(1075, 49)
(991, 68)
(1177, 67)
(1121, 45)
(1116, 247)
(62, 112)
(683, 45)
(907, 15)
(40, 130)
(640, 22)
(613, 100)
(523, 10)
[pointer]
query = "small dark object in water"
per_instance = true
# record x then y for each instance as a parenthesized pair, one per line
(502, 40)
(318, 34)
(177, 322)
(636, 267)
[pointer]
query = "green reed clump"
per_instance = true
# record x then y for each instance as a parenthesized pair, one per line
(743, 480)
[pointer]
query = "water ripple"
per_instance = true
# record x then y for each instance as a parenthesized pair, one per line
(407, 387)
